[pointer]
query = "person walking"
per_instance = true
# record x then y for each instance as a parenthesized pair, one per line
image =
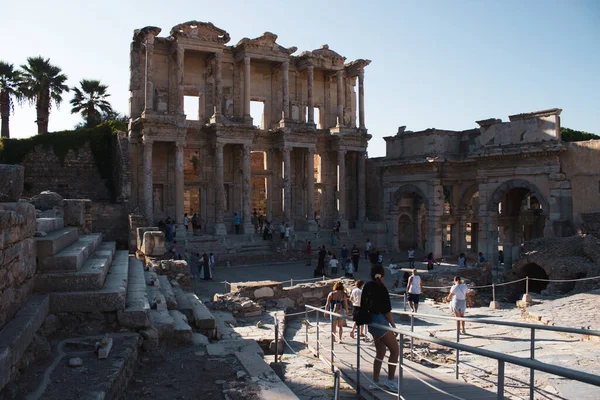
(186, 222)
(205, 271)
(430, 261)
(395, 273)
(367, 249)
(355, 253)
(237, 222)
(333, 237)
(355, 296)
(337, 302)
(194, 224)
(458, 297)
(344, 253)
(333, 265)
(411, 258)
(286, 236)
(375, 300)
(321, 262)
(415, 287)
(307, 253)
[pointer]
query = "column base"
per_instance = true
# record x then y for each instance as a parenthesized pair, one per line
(312, 226)
(248, 228)
(220, 229)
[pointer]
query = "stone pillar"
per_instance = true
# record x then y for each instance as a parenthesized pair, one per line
(362, 187)
(246, 86)
(218, 86)
(310, 189)
(434, 223)
(148, 190)
(220, 228)
(270, 193)
(311, 101)
(285, 67)
(287, 185)
(247, 190)
(488, 226)
(462, 234)
(361, 98)
(180, 94)
(149, 95)
(342, 189)
(179, 189)
(340, 97)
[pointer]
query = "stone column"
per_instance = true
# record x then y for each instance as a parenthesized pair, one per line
(287, 185)
(247, 190)
(340, 97)
(311, 101)
(218, 87)
(180, 94)
(270, 193)
(310, 189)
(362, 187)
(220, 228)
(434, 213)
(179, 189)
(246, 86)
(361, 98)
(342, 188)
(285, 67)
(148, 190)
(149, 95)
(462, 234)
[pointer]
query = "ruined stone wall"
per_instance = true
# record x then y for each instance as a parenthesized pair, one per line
(374, 191)
(581, 165)
(77, 177)
(111, 220)
(17, 257)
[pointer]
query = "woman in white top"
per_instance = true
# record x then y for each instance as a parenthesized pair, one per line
(355, 297)
(458, 297)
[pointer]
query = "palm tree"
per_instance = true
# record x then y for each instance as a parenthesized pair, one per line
(91, 102)
(43, 84)
(9, 92)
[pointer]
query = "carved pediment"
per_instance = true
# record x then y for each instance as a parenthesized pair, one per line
(326, 52)
(267, 41)
(204, 31)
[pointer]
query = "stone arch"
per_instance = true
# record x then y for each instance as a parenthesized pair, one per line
(466, 196)
(515, 184)
(409, 188)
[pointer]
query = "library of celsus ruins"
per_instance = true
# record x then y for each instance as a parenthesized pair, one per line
(309, 147)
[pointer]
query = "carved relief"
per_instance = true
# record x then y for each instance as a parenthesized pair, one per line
(201, 30)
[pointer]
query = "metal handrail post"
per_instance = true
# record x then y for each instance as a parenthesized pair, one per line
(306, 325)
(358, 360)
(276, 338)
(336, 384)
(532, 371)
(400, 365)
(318, 334)
(412, 340)
(457, 350)
(500, 380)
(404, 297)
(527, 285)
(291, 282)
(332, 342)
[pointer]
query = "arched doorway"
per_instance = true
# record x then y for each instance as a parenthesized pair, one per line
(406, 232)
(533, 270)
(411, 210)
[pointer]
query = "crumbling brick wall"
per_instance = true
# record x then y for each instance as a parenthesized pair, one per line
(17, 257)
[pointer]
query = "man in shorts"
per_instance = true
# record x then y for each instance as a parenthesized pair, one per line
(415, 287)
(395, 273)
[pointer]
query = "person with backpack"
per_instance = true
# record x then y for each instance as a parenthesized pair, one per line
(355, 253)
(337, 302)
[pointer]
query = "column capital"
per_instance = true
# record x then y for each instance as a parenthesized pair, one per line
(310, 68)
(219, 145)
(361, 73)
(286, 149)
(339, 73)
(247, 148)
(218, 54)
(147, 141)
(180, 145)
(247, 60)
(285, 64)
(342, 152)
(310, 150)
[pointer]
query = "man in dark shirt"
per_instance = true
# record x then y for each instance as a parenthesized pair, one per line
(355, 253)
(321, 261)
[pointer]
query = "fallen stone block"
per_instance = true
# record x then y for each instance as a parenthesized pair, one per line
(105, 348)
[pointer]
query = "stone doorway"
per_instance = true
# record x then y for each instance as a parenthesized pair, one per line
(533, 270)
(411, 222)
(258, 160)
(406, 233)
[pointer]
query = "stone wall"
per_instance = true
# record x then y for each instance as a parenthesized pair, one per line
(374, 191)
(112, 221)
(17, 257)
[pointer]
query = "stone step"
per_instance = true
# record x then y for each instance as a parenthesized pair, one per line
(91, 276)
(163, 323)
(167, 290)
(54, 242)
(182, 331)
(136, 314)
(184, 305)
(111, 297)
(49, 225)
(270, 386)
(203, 319)
(16, 336)
(73, 257)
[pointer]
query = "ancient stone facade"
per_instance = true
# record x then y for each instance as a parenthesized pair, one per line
(488, 189)
(312, 138)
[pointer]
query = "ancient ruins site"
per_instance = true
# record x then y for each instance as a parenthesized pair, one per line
(169, 259)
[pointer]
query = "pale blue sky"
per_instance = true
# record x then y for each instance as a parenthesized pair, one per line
(440, 64)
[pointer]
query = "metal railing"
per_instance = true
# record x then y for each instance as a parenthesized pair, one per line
(531, 364)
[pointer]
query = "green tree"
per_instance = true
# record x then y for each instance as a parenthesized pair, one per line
(571, 135)
(43, 84)
(9, 92)
(90, 101)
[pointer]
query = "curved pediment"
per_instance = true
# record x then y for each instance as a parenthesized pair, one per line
(204, 31)
(326, 52)
(268, 41)
(141, 34)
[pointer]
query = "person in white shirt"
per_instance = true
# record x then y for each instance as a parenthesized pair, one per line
(355, 297)
(462, 260)
(367, 249)
(333, 265)
(411, 258)
(415, 287)
(395, 273)
(458, 297)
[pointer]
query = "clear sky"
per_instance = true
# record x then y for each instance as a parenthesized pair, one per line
(442, 64)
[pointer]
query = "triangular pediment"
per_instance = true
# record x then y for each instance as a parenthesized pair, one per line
(267, 41)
